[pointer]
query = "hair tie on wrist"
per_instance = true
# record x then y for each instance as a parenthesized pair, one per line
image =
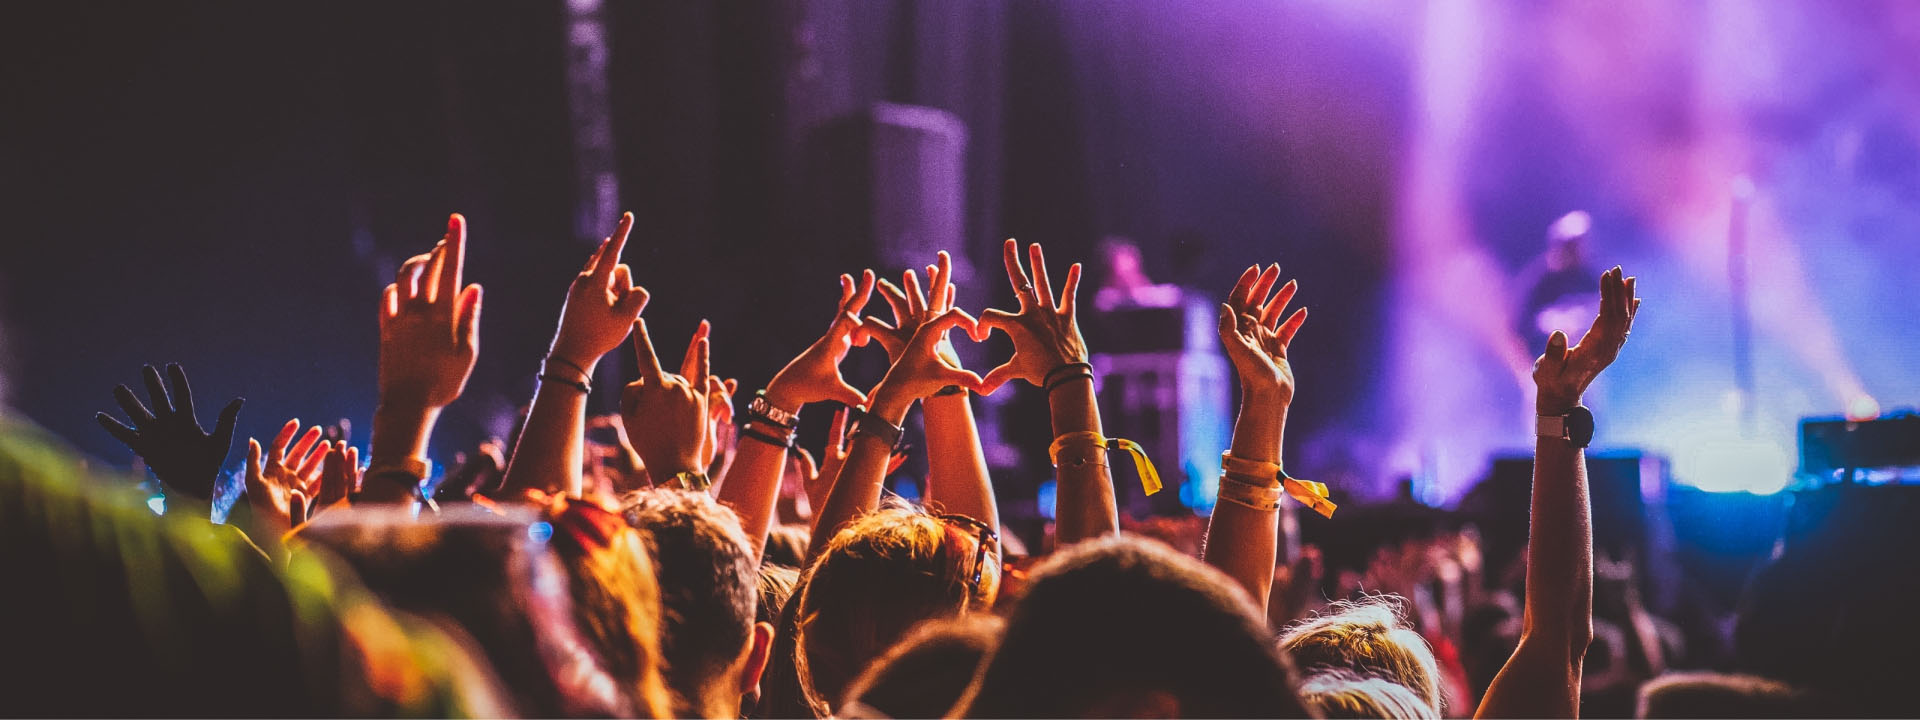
(575, 384)
(1149, 477)
(1048, 378)
(1306, 492)
(1062, 380)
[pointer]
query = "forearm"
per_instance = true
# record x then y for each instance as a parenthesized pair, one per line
(551, 448)
(857, 490)
(1085, 506)
(1244, 542)
(1559, 606)
(400, 432)
(752, 483)
(957, 479)
(1542, 678)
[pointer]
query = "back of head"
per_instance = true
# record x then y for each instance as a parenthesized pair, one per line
(490, 576)
(877, 578)
(1335, 694)
(1716, 695)
(786, 545)
(616, 599)
(777, 585)
(1366, 637)
(925, 673)
(1123, 625)
(709, 585)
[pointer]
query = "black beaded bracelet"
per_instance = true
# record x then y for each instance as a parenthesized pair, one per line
(575, 384)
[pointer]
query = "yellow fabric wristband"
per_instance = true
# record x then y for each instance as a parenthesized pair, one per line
(1306, 492)
(1149, 477)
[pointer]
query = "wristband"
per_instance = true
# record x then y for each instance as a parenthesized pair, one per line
(768, 438)
(692, 480)
(1048, 378)
(1306, 492)
(950, 390)
(569, 363)
(887, 432)
(1067, 378)
(1149, 477)
(1248, 494)
(765, 410)
(575, 384)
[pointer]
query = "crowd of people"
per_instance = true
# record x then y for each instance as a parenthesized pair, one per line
(686, 558)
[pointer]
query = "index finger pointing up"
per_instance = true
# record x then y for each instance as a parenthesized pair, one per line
(615, 244)
(453, 261)
(643, 352)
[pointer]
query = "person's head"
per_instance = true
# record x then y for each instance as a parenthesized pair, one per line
(925, 673)
(1126, 627)
(712, 643)
(786, 545)
(1566, 239)
(1336, 694)
(880, 576)
(1716, 695)
(777, 585)
(492, 578)
(616, 599)
(1367, 637)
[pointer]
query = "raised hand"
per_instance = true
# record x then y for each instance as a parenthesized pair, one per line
(282, 485)
(913, 308)
(1045, 335)
(814, 376)
(601, 305)
(184, 457)
(666, 413)
(920, 371)
(1563, 373)
(339, 476)
(1254, 336)
(429, 326)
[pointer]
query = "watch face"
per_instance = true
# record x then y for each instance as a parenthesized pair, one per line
(1579, 426)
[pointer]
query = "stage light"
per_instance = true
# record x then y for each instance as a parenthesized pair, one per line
(158, 504)
(1863, 407)
(1730, 466)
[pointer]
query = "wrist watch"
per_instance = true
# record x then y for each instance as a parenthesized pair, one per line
(761, 407)
(1575, 427)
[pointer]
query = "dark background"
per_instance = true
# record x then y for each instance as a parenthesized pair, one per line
(229, 185)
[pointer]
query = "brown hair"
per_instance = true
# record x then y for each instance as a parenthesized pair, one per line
(877, 577)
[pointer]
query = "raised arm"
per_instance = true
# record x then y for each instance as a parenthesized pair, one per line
(1542, 677)
(918, 373)
(752, 483)
(601, 305)
(957, 480)
(429, 339)
(1243, 537)
(1047, 348)
(185, 458)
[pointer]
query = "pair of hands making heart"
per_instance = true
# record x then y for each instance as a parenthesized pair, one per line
(1044, 331)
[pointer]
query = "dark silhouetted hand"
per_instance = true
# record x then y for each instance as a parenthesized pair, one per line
(183, 456)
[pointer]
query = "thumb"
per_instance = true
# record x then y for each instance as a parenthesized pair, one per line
(1557, 347)
(254, 470)
(848, 395)
(223, 428)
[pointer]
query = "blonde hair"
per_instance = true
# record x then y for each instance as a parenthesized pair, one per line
(1338, 694)
(1369, 637)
